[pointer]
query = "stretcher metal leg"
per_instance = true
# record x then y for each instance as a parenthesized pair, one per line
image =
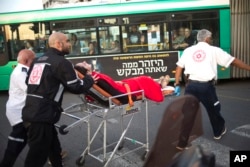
(147, 133)
(102, 114)
(119, 142)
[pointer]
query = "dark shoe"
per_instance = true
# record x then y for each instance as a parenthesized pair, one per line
(222, 133)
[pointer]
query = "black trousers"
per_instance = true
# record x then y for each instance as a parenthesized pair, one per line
(16, 142)
(206, 94)
(43, 144)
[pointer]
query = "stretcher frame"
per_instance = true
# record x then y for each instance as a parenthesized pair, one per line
(103, 112)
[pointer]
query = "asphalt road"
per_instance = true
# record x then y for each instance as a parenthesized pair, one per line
(234, 96)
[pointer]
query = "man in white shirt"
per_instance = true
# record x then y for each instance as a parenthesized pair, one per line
(200, 62)
(17, 96)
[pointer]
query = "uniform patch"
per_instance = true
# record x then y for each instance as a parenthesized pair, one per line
(199, 56)
(36, 74)
(24, 69)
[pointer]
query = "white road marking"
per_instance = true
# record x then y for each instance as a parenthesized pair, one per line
(221, 152)
(243, 131)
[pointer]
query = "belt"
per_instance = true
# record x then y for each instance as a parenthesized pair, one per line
(195, 81)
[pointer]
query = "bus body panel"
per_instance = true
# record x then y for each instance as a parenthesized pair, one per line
(111, 10)
(225, 38)
(5, 72)
(121, 66)
(119, 10)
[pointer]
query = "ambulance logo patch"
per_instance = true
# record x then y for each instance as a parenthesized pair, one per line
(199, 56)
(36, 74)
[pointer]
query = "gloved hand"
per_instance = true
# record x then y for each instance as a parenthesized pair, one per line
(177, 90)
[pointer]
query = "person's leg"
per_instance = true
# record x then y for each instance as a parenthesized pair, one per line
(16, 142)
(55, 156)
(39, 141)
(213, 107)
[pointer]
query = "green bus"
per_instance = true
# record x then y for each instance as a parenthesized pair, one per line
(120, 39)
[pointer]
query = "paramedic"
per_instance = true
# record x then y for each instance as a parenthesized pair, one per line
(48, 76)
(17, 95)
(200, 63)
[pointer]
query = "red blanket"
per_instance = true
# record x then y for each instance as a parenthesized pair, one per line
(152, 89)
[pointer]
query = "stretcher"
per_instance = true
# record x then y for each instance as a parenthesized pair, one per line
(99, 106)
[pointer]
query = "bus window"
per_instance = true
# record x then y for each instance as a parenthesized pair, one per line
(75, 44)
(109, 39)
(133, 38)
(2, 47)
(89, 40)
(3, 51)
(177, 37)
(30, 36)
(183, 37)
(81, 40)
(184, 33)
(154, 40)
(143, 38)
(82, 34)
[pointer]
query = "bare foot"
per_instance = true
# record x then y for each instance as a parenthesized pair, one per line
(167, 78)
(160, 79)
(165, 81)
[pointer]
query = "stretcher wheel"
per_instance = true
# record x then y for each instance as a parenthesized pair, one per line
(80, 161)
(61, 130)
(144, 156)
(120, 147)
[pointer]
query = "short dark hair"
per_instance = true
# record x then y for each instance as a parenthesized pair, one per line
(82, 70)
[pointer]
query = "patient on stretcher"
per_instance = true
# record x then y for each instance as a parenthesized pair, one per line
(152, 89)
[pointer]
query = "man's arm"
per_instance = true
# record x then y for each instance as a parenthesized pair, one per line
(240, 64)
(68, 77)
(183, 45)
(178, 73)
